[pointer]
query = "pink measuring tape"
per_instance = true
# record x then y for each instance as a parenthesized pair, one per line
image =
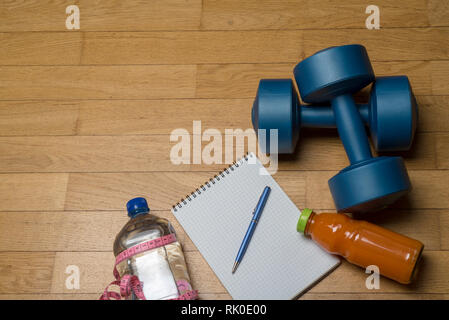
(131, 283)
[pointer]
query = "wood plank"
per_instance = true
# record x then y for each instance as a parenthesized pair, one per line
(99, 82)
(67, 230)
(152, 82)
(143, 117)
(258, 46)
(60, 231)
(36, 191)
(236, 80)
(34, 277)
(34, 118)
(146, 153)
(429, 190)
(241, 80)
(323, 14)
(106, 15)
(29, 272)
(216, 15)
(194, 47)
(432, 276)
(40, 48)
(110, 191)
(156, 116)
(191, 47)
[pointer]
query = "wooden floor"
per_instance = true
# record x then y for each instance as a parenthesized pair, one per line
(85, 119)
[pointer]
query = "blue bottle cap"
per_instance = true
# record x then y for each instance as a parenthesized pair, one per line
(137, 206)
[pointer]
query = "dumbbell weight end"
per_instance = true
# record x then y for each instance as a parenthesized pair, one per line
(370, 185)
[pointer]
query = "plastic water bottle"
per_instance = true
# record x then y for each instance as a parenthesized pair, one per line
(162, 270)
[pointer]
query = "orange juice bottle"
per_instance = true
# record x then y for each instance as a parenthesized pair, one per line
(363, 243)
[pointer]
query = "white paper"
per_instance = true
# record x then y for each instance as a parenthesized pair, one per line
(279, 263)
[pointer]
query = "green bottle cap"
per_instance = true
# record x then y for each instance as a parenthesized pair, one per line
(303, 218)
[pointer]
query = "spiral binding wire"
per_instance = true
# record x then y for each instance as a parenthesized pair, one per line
(209, 183)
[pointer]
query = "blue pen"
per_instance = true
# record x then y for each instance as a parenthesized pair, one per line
(252, 226)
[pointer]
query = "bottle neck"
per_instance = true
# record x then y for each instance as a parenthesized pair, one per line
(310, 221)
(138, 214)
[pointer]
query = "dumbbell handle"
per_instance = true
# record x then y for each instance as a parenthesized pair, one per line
(350, 128)
(322, 116)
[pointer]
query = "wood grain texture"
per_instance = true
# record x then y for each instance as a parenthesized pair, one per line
(40, 48)
(144, 153)
(195, 47)
(72, 230)
(32, 191)
(217, 15)
(109, 15)
(127, 117)
(29, 272)
(106, 82)
(305, 14)
(66, 230)
(86, 118)
(109, 191)
(38, 118)
(153, 116)
(181, 81)
(345, 279)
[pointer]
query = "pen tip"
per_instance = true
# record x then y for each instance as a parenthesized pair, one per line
(236, 264)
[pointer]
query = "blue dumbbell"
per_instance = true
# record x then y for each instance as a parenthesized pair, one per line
(368, 183)
(391, 113)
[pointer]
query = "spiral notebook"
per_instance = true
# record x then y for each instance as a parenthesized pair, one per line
(279, 263)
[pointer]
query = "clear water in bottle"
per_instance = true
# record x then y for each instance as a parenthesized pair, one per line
(162, 271)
